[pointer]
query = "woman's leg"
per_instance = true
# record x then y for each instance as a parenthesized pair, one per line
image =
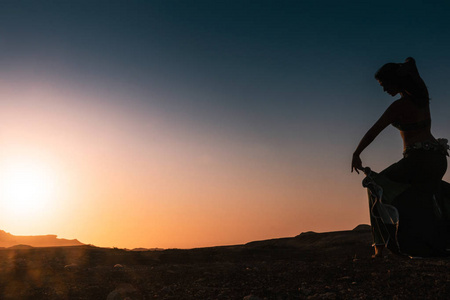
(385, 234)
(376, 223)
(420, 232)
(382, 219)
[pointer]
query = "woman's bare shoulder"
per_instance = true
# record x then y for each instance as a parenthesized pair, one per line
(397, 106)
(405, 105)
(399, 102)
(404, 111)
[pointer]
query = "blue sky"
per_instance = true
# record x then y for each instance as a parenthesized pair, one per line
(271, 87)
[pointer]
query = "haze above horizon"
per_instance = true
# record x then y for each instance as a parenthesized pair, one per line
(178, 124)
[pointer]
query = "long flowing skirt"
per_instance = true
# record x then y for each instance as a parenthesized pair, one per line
(410, 205)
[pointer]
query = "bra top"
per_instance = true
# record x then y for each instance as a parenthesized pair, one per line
(413, 126)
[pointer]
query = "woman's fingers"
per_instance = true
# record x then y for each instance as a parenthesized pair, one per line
(356, 164)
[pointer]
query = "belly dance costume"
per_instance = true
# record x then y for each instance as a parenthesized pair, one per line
(409, 203)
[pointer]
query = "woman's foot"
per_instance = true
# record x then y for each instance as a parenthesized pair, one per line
(378, 251)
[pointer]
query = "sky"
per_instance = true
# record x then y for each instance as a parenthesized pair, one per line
(181, 124)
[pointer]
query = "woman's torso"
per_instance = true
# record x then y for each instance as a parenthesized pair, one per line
(414, 122)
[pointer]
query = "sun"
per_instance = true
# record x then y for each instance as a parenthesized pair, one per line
(27, 187)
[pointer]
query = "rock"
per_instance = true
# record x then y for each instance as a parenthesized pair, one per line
(118, 266)
(114, 295)
(167, 290)
(305, 291)
(328, 295)
(345, 278)
(307, 233)
(362, 227)
(252, 297)
(124, 291)
(71, 267)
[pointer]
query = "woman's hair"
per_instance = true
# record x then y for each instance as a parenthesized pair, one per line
(406, 77)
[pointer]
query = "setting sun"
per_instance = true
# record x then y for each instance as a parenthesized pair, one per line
(27, 187)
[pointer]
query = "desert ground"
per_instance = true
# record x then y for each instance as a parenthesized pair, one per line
(333, 265)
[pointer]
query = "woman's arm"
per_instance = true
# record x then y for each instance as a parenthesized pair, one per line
(385, 120)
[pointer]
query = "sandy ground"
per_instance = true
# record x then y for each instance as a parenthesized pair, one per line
(335, 265)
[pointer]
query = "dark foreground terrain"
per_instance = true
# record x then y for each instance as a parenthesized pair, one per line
(334, 265)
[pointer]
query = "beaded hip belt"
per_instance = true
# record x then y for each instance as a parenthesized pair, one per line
(439, 145)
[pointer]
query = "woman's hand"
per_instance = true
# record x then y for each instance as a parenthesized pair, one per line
(356, 163)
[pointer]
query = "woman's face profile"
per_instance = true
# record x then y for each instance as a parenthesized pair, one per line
(389, 88)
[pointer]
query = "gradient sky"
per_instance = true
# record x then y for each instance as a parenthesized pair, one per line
(200, 123)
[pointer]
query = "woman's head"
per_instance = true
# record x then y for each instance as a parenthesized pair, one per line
(403, 78)
(388, 73)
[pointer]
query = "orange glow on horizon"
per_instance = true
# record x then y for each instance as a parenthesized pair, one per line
(114, 175)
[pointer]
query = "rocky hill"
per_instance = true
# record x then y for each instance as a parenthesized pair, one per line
(329, 265)
(8, 240)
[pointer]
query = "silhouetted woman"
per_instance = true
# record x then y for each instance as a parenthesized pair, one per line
(419, 172)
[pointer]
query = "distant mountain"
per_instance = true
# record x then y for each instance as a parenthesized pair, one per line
(50, 240)
(147, 249)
